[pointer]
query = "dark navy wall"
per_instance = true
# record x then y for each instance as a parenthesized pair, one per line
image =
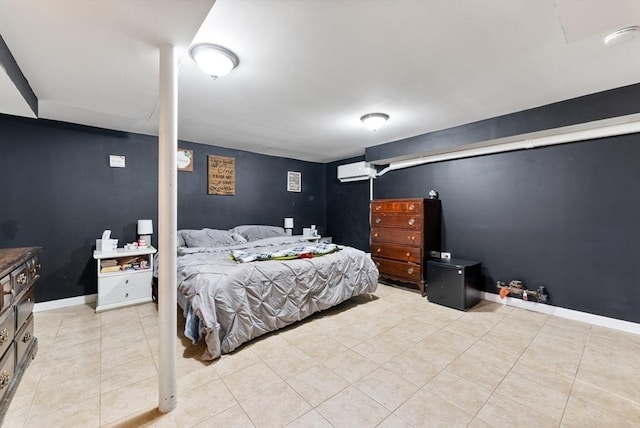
(601, 105)
(58, 192)
(562, 216)
(347, 208)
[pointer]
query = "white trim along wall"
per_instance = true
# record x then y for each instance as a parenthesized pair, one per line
(626, 326)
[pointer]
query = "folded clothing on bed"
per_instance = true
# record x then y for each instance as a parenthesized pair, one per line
(299, 252)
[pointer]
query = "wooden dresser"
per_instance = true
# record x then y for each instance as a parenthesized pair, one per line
(18, 274)
(403, 233)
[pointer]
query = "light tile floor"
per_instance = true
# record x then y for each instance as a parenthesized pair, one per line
(388, 360)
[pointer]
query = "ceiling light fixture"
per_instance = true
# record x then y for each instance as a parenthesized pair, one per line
(214, 60)
(622, 34)
(374, 120)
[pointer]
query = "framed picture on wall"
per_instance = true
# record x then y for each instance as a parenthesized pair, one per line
(294, 181)
(221, 177)
(185, 160)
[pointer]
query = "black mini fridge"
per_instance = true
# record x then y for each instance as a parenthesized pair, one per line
(454, 283)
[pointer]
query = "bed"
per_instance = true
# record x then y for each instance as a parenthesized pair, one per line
(229, 302)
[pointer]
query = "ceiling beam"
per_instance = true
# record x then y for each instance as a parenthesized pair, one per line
(11, 68)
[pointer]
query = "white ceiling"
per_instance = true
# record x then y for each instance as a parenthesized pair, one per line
(309, 69)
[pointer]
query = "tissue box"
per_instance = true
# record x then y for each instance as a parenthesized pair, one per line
(106, 245)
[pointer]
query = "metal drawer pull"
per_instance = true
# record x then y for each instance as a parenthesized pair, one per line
(4, 335)
(410, 271)
(375, 235)
(378, 250)
(378, 220)
(35, 268)
(27, 337)
(4, 379)
(378, 207)
(412, 207)
(408, 254)
(412, 221)
(412, 238)
(22, 278)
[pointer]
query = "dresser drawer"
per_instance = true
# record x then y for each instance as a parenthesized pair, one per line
(400, 221)
(7, 330)
(396, 236)
(24, 338)
(20, 279)
(24, 307)
(397, 206)
(122, 288)
(7, 370)
(406, 254)
(403, 271)
(6, 290)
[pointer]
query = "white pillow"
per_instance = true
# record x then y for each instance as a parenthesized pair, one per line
(253, 232)
(211, 238)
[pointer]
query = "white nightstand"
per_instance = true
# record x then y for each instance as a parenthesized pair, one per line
(118, 286)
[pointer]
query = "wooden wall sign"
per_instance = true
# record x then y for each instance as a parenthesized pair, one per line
(221, 176)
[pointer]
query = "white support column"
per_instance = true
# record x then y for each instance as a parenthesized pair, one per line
(167, 226)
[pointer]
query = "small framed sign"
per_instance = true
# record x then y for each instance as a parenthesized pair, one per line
(185, 160)
(221, 175)
(294, 181)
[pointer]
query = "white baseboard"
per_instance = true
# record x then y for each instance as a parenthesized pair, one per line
(626, 326)
(571, 314)
(65, 303)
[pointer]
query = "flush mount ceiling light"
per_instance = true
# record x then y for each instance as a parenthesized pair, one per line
(374, 121)
(214, 60)
(625, 33)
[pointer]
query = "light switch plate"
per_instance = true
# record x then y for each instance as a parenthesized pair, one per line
(116, 161)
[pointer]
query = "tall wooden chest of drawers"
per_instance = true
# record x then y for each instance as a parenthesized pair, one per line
(403, 233)
(18, 346)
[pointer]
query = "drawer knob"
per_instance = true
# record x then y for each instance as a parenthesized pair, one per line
(375, 235)
(35, 268)
(4, 379)
(378, 220)
(22, 278)
(27, 337)
(4, 335)
(378, 207)
(378, 250)
(412, 238)
(412, 207)
(408, 254)
(412, 221)
(410, 271)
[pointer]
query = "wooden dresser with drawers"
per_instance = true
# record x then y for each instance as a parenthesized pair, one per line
(403, 233)
(18, 274)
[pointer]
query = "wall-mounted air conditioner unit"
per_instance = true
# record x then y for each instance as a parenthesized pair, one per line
(356, 172)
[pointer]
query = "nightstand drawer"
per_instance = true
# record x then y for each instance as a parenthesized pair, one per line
(406, 254)
(123, 288)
